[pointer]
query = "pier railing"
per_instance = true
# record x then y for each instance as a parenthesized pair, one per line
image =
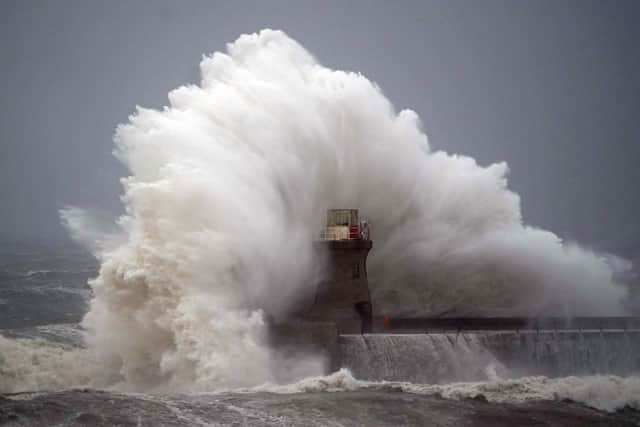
(441, 324)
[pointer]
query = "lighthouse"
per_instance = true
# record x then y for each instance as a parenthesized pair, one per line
(342, 296)
(340, 303)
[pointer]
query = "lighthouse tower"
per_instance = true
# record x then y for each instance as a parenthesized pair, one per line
(342, 297)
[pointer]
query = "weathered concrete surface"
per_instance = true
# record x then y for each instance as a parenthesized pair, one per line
(355, 408)
(345, 286)
(451, 357)
(565, 352)
(418, 358)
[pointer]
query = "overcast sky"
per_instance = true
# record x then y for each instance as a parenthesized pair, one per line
(551, 87)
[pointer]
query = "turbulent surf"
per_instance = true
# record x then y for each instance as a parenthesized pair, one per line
(226, 192)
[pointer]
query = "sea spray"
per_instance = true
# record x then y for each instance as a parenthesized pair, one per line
(228, 186)
(604, 392)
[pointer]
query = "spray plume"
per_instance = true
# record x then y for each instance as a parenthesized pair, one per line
(228, 187)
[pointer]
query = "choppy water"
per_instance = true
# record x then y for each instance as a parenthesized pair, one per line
(42, 286)
(369, 407)
(44, 295)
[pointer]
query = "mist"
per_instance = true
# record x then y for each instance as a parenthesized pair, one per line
(552, 89)
(227, 188)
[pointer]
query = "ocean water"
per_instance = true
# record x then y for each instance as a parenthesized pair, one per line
(225, 190)
(45, 376)
(43, 285)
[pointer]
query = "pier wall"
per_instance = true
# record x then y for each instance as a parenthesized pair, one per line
(476, 356)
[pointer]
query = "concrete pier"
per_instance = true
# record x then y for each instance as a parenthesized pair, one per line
(476, 356)
(462, 349)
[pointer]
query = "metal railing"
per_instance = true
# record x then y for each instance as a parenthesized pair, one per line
(425, 325)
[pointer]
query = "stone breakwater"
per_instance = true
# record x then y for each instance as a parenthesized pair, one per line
(474, 356)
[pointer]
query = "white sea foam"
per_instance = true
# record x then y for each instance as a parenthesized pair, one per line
(35, 364)
(228, 187)
(341, 380)
(38, 364)
(607, 393)
(41, 272)
(69, 333)
(603, 392)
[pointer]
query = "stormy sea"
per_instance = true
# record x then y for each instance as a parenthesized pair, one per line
(159, 316)
(44, 294)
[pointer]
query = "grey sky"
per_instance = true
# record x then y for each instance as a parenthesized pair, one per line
(552, 87)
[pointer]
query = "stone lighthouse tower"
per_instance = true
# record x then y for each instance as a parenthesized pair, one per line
(342, 297)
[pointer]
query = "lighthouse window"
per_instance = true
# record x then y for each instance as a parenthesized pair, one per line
(356, 271)
(342, 217)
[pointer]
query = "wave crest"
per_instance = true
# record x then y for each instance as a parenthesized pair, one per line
(229, 184)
